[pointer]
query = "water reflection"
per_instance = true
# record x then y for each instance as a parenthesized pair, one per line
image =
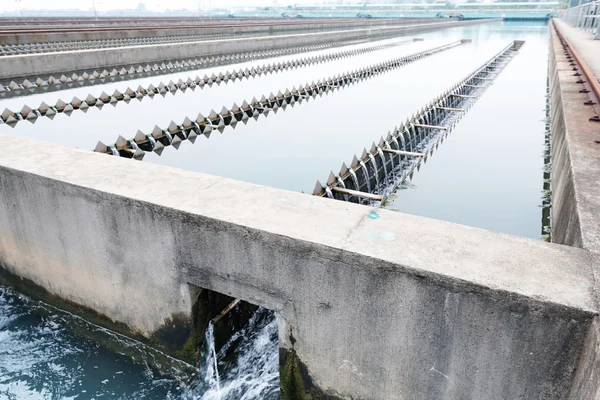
(499, 153)
(488, 172)
(547, 186)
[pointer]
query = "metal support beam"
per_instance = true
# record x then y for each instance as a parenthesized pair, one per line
(225, 311)
(357, 193)
(452, 109)
(403, 153)
(443, 128)
(337, 185)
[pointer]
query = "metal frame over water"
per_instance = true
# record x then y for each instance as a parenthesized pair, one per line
(28, 113)
(373, 176)
(189, 129)
(127, 72)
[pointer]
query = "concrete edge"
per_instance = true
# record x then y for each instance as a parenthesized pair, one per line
(584, 153)
(210, 26)
(48, 63)
(566, 227)
(450, 254)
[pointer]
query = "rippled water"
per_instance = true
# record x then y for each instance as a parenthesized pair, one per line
(48, 354)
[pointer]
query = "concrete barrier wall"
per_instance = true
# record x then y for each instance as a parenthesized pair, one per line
(374, 304)
(575, 157)
(215, 26)
(565, 218)
(575, 194)
(586, 384)
(47, 63)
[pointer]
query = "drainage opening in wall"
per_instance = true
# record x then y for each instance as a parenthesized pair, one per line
(236, 347)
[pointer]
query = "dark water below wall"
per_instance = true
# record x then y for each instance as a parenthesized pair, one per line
(489, 172)
(49, 354)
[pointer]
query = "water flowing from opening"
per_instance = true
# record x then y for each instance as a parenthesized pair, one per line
(212, 373)
(354, 179)
(249, 363)
(374, 163)
(393, 164)
(49, 354)
(342, 184)
(329, 192)
(366, 172)
(385, 171)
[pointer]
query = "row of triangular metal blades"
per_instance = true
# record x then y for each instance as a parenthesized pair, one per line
(31, 114)
(189, 130)
(378, 167)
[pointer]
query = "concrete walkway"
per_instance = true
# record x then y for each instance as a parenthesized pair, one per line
(575, 151)
(584, 43)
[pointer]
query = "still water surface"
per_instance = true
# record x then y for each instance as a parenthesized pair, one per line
(487, 173)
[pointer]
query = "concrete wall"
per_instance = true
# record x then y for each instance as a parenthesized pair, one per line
(575, 192)
(566, 228)
(587, 380)
(376, 304)
(211, 26)
(47, 63)
(575, 157)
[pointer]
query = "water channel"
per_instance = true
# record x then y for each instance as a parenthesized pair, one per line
(488, 173)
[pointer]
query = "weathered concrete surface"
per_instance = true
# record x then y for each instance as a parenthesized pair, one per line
(47, 63)
(575, 188)
(584, 43)
(380, 305)
(210, 26)
(575, 158)
(586, 385)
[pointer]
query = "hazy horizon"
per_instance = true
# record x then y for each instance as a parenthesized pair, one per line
(150, 5)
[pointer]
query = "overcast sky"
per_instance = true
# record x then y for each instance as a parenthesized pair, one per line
(154, 5)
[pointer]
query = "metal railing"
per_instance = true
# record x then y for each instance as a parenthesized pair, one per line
(585, 16)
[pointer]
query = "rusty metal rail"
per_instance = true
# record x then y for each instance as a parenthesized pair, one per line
(591, 86)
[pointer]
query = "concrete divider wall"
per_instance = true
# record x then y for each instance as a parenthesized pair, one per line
(211, 26)
(575, 156)
(374, 304)
(575, 198)
(565, 218)
(47, 63)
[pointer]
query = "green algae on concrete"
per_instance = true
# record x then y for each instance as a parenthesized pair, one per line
(295, 381)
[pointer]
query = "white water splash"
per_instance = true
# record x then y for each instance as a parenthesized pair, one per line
(43, 356)
(253, 372)
(212, 362)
